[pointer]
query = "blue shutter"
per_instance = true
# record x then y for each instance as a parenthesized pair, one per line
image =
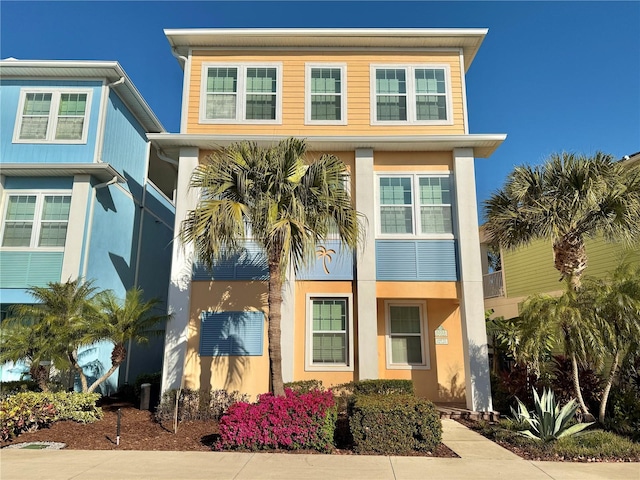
(416, 260)
(231, 333)
(250, 264)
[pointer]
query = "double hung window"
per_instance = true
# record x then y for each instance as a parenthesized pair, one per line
(411, 94)
(58, 116)
(406, 327)
(415, 204)
(326, 94)
(330, 343)
(36, 220)
(234, 93)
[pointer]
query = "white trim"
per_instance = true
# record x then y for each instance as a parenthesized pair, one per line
(102, 122)
(308, 95)
(241, 93)
(465, 110)
(36, 222)
(411, 93)
(424, 335)
(55, 92)
(415, 210)
(309, 366)
(186, 88)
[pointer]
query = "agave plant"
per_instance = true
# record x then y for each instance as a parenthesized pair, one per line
(549, 422)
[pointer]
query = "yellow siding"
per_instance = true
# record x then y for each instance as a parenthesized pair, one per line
(246, 374)
(530, 270)
(413, 161)
(328, 378)
(293, 90)
(444, 380)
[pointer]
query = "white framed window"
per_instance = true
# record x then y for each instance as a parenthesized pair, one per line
(249, 93)
(413, 94)
(325, 94)
(35, 220)
(329, 332)
(415, 205)
(407, 346)
(52, 116)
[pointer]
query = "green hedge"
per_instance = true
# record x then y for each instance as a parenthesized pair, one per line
(379, 387)
(305, 386)
(393, 424)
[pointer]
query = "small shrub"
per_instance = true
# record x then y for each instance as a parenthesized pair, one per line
(561, 383)
(197, 404)
(393, 424)
(624, 408)
(383, 387)
(597, 444)
(24, 412)
(79, 407)
(17, 386)
(295, 421)
(305, 386)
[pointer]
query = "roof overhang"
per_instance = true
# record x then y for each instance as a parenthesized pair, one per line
(109, 71)
(103, 172)
(483, 144)
(468, 39)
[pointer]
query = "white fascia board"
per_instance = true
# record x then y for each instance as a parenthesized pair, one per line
(101, 171)
(483, 144)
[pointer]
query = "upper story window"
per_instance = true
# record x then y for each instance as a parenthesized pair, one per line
(326, 96)
(36, 220)
(52, 116)
(411, 94)
(415, 205)
(235, 93)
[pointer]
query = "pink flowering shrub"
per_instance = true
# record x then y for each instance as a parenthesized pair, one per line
(295, 421)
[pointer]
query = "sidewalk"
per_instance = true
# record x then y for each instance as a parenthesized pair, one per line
(480, 459)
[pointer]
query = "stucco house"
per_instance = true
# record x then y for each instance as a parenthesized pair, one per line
(82, 193)
(408, 304)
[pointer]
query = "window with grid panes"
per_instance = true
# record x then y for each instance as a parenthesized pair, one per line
(238, 93)
(329, 331)
(406, 336)
(326, 94)
(57, 116)
(410, 94)
(415, 204)
(36, 221)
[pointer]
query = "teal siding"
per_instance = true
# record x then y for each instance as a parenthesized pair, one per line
(231, 333)
(26, 269)
(125, 145)
(38, 183)
(45, 152)
(157, 203)
(416, 260)
(250, 264)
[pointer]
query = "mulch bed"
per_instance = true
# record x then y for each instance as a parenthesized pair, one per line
(140, 431)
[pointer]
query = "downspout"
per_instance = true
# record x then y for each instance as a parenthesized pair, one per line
(162, 156)
(178, 56)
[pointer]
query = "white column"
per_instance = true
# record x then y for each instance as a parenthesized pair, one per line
(287, 323)
(474, 334)
(80, 196)
(366, 268)
(175, 343)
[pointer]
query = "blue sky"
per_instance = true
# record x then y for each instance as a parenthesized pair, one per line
(554, 76)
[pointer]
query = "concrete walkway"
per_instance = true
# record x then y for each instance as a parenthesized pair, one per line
(480, 459)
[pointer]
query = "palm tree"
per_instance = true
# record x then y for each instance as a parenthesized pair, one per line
(56, 322)
(566, 200)
(614, 303)
(120, 322)
(285, 205)
(26, 340)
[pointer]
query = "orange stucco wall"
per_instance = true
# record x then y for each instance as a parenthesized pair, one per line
(444, 380)
(304, 288)
(247, 374)
(293, 91)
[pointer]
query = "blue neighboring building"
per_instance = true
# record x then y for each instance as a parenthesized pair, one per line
(82, 193)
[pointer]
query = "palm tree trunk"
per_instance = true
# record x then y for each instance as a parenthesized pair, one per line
(73, 358)
(570, 258)
(576, 386)
(607, 388)
(40, 375)
(108, 373)
(275, 318)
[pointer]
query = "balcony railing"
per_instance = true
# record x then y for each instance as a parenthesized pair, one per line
(492, 284)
